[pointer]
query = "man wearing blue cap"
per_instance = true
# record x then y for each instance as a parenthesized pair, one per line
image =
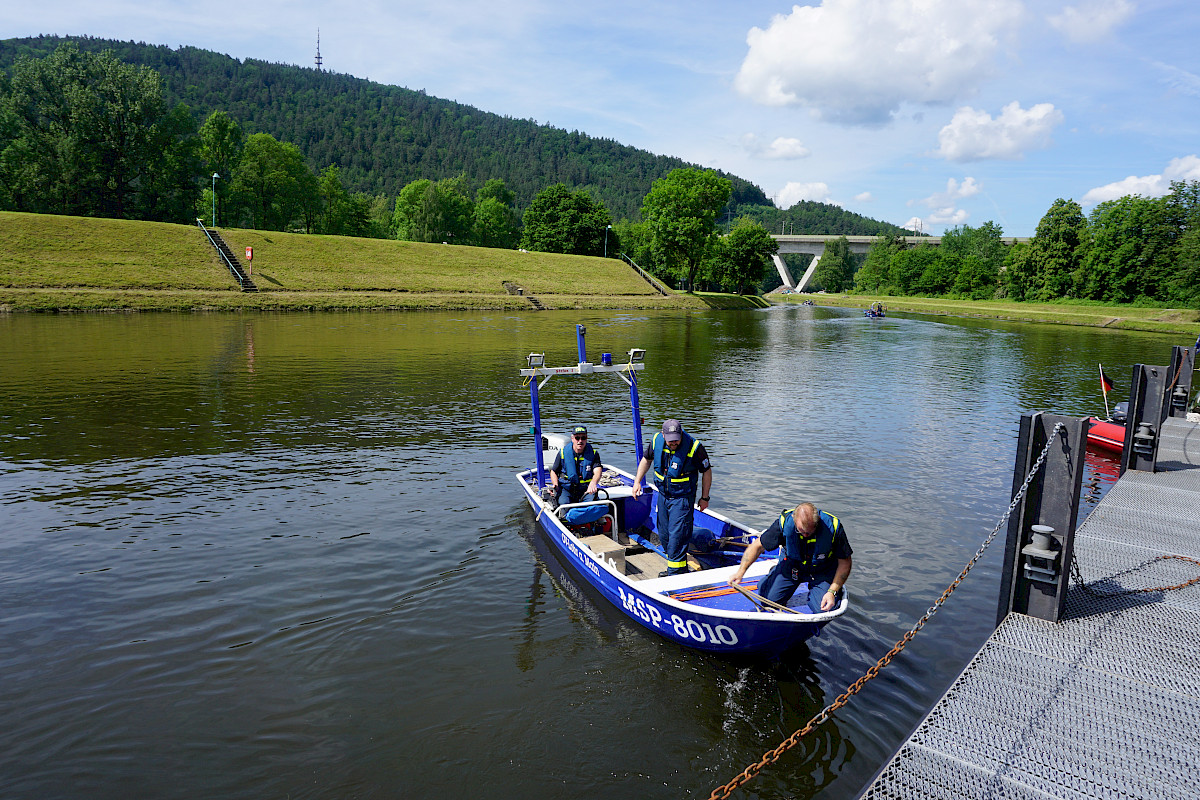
(579, 468)
(680, 466)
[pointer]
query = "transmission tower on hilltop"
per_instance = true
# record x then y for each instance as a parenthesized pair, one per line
(318, 49)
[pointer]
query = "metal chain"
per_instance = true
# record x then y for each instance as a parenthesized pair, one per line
(1078, 578)
(771, 756)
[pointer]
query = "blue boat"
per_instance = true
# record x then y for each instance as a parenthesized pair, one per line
(611, 544)
(876, 310)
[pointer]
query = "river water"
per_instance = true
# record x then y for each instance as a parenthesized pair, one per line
(285, 556)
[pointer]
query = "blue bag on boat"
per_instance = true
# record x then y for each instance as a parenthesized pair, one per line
(703, 540)
(585, 514)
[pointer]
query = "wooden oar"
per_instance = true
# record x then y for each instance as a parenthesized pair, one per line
(732, 542)
(761, 601)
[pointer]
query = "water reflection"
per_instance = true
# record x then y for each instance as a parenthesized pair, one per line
(285, 554)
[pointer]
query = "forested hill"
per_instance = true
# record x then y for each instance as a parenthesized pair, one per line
(383, 137)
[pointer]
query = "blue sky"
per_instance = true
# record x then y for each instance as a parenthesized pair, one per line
(925, 113)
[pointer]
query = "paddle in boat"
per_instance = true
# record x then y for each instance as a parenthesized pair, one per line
(611, 544)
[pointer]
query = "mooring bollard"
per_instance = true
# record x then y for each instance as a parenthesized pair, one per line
(1041, 528)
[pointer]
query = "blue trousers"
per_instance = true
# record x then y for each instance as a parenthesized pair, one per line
(575, 494)
(674, 527)
(782, 582)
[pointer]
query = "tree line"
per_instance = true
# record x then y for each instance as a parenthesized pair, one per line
(1132, 249)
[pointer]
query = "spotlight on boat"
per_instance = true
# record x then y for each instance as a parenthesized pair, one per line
(636, 355)
(536, 360)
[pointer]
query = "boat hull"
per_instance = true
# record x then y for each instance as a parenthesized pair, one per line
(650, 602)
(1107, 435)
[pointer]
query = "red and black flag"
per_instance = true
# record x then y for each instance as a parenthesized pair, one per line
(1105, 383)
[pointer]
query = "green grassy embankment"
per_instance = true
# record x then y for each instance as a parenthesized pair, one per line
(1125, 317)
(50, 263)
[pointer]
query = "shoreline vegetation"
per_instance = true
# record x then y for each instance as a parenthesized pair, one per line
(51, 263)
(1088, 314)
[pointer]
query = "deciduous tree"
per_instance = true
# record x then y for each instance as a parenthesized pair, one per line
(435, 212)
(562, 221)
(873, 276)
(835, 270)
(85, 133)
(681, 211)
(274, 186)
(1058, 249)
(743, 256)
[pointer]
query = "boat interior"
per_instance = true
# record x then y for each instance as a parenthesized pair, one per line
(623, 536)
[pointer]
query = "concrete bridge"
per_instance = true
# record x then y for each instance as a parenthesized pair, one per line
(815, 245)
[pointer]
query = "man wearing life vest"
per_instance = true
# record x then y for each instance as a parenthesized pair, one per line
(814, 551)
(577, 469)
(680, 465)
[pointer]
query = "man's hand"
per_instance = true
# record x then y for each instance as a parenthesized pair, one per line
(828, 601)
(637, 488)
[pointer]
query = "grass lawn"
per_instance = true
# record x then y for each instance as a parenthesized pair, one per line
(1159, 320)
(50, 262)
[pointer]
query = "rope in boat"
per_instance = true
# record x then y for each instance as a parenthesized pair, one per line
(771, 756)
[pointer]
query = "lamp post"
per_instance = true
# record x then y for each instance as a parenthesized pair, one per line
(606, 230)
(215, 176)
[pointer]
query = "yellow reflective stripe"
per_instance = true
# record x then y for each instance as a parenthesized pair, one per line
(659, 475)
(695, 444)
(680, 480)
(676, 564)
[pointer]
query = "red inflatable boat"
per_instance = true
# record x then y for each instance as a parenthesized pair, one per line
(1107, 435)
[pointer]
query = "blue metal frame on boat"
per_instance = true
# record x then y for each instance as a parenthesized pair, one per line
(620, 555)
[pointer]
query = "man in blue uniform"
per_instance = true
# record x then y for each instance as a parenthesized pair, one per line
(680, 465)
(576, 469)
(815, 551)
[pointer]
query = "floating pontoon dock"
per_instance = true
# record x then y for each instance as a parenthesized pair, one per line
(1104, 703)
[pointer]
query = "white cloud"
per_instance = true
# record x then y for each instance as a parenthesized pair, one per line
(786, 148)
(915, 224)
(1091, 20)
(974, 135)
(857, 61)
(864, 197)
(954, 191)
(949, 216)
(782, 149)
(944, 205)
(794, 192)
(1180, 169)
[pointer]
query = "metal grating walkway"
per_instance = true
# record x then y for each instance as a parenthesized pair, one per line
(1105, 704)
